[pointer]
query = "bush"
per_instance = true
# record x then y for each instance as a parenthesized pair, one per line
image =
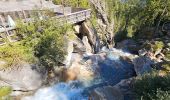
(152, 87)
(15, 53)
(5, 92)
(50, 47)
(50, 50)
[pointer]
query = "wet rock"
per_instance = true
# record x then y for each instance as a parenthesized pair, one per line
(25, 78)
(142, 52)
(106, 93)
(128, 45)
(142, 64)
(77, 70)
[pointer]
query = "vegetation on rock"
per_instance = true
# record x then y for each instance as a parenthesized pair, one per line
(152, 86)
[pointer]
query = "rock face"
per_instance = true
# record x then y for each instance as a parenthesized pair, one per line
(106, 93)
(77, 70)
(128, 45)
(125, 87)
(25, 78)
(87, 45)
(69, 53)
(142, 64)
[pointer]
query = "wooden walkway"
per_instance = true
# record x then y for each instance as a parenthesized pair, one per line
(72, 18)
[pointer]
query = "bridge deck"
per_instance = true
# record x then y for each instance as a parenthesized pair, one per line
(71, 18)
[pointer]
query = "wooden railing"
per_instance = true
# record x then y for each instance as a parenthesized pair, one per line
(75, 17)
(72, 18)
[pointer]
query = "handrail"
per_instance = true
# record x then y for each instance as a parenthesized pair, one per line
(68, 18)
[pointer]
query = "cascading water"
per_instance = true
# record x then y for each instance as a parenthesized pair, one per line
(110, 71)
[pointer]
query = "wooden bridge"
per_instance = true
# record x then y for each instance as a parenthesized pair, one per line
(73, 16)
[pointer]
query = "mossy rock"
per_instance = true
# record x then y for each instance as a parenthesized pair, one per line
(158, 45)
(154, 46)
(167, 54)
(166, 66)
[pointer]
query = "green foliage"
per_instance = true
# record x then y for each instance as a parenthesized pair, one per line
(15, 54)
(158, 45)
(167, 54)
(135, 15)
(166, 65)
(50, 48)
(46, 38)
(5, 92)
(151, 86)
(42, 39)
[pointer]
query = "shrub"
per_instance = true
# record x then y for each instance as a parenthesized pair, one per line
(5, 92)
(50, 47)
(151, 86)
(158, 45)
(15, 53)
(50, 50)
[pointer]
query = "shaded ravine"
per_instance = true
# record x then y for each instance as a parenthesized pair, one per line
(109, 71)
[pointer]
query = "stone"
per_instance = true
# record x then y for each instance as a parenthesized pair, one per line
(87, 45)
(168, 44)
(106, 93)
(142, 52)
(77, 70)
(24, 78)
(128, 45)
(142, 64)
(78, 46)
(77, 28)
(87, 31)
(69, 54)
(125, 87)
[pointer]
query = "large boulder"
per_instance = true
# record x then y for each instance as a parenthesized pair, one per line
(24, 78)
(87, 45)
(142, 65)
(77, 70)
(106, 93)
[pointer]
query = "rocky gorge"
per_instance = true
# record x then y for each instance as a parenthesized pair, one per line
(121, 53)
(84, 75)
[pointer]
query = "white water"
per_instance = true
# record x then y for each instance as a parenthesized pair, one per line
(112, 70)
(61, 91)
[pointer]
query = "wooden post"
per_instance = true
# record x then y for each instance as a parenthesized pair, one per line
(24, 14)
(4, 26)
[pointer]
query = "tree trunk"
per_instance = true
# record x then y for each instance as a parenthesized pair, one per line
(107, 26)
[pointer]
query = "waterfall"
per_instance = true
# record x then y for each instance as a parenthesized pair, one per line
(110, 71)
